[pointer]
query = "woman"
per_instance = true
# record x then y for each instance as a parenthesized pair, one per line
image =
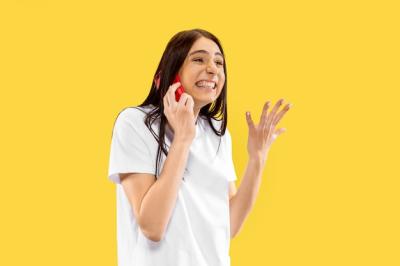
(185, 214)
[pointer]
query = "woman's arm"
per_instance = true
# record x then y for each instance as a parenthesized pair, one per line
(153, 205)
(261, 137)
(242, 202)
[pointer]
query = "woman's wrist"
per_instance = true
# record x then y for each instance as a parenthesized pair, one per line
(182, 141)
(258, 158)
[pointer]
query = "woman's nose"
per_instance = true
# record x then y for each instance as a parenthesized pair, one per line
(211, 68)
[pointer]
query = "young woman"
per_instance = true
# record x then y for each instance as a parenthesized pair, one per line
(177, 203)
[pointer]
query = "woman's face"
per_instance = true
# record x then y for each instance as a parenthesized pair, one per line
(204, 62)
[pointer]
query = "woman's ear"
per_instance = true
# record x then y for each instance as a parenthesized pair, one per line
(157, 80)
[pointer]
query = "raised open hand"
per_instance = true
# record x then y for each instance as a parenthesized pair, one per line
(261, 136)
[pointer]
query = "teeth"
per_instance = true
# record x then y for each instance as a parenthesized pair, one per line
(207, 84)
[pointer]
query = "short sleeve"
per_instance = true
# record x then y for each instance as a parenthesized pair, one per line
(129, 152)
(230, 165)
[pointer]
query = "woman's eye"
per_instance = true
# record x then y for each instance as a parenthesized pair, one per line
(201, 60)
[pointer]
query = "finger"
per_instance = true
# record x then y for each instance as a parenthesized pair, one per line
(268, 131)
(263, 117)
(249, 120)
(182, 100)
(272, 114)
(281, 113)
(165, 101)
(174, 86)
(166, 106)
(190, 106)
(190, 102)
(171, 94)
(268, 128)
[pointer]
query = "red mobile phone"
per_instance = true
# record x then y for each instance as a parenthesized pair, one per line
(180, 90)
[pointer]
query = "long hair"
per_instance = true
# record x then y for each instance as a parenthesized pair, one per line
(172, 59)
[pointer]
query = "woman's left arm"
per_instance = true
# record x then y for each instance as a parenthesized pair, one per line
(260, 138)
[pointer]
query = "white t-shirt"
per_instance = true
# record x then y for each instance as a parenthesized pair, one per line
(198, 232)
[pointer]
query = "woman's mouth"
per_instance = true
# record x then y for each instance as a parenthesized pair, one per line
(206, 84)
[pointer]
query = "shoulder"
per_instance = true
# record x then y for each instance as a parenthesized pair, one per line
(131, 120)
(134, 115)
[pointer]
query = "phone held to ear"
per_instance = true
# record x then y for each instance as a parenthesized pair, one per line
(180, 90)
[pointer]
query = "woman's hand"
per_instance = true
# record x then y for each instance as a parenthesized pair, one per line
(180, 115)
(261, 136)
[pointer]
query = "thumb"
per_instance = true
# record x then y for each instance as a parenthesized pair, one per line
(249, 120)
(278, 132)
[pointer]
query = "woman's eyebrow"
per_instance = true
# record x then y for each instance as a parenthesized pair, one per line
(205, 52)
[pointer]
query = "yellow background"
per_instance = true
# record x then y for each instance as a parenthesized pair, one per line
(330, 189)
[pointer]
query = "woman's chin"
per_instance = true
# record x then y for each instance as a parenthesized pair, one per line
(204, 96)
(203, 102)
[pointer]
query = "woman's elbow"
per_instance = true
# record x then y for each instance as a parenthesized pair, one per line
(233, 234)
(234, 231)
(153, 234)
(155, 237)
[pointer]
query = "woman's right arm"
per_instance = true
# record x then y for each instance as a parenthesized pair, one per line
(152, 199)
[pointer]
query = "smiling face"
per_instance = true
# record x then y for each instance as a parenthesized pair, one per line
(204, 62)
